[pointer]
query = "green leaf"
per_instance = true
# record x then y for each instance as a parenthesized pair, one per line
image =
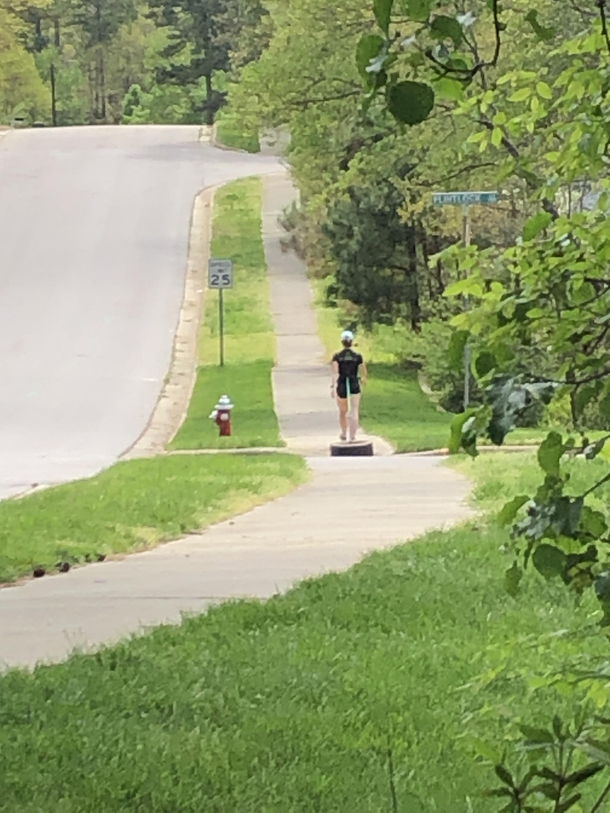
(594, 449)
(599, 751)
(583, 774)
(537, 736)
(520, 95)
(484, 363)
(584, 395)
(544, 91)
(550, 452)
(508, 400)
(593, 522)
(461, 436)
(444, 27)
(418, 10)
(512, 579)
(459, 338)
(535, 225)
(543, 391)
(549, 561)
(367, 49)
(382, 9)
(602, 586)
(510, 510)
(451, 89)
(496, 136)
(468, 286)
(410, 102)
(504, 775)
(542, 32)
(563, 807)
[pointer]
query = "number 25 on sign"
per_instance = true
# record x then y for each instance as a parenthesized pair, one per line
(220, 276)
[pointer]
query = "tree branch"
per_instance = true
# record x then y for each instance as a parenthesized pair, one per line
(498, 31)
(457, 173)
(601, 5)
(506, 143)
(303, 104)
(590, 490)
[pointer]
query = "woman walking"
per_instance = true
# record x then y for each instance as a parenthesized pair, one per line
(345, 385)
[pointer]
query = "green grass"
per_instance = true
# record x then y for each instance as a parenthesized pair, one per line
(499, 477)
(232, 132)
(249, 336)
(394, 406)
(134, 505)
(253, 421)
(291, 705)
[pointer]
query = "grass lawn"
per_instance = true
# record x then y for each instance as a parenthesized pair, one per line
(499, 477)
(297, 704)
(249, 336)
(134, 505)
(394, 406)
(231, 132)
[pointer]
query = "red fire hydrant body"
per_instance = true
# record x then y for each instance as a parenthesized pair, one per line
(222, 415)
(223, 420)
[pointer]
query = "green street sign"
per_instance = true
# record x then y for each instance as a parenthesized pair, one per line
(464, 198)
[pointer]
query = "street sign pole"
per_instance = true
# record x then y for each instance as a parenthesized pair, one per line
(221, 319)
(220, 276)
(466, 240)
(465, 200)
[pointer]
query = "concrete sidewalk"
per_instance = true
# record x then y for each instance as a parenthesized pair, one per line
(301, 378)
(350, 506)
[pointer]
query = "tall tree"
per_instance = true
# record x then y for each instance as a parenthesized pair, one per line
(198, 45)
(100, 21)
(21, 88)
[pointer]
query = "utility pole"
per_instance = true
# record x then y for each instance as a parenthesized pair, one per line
(465, 200)
(466, 241)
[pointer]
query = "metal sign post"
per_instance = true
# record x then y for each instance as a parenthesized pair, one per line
(465, 200)
(220, 276)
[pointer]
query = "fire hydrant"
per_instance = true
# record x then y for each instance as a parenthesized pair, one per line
(222, 415)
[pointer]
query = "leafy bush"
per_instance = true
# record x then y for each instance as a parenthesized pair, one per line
(232, 131)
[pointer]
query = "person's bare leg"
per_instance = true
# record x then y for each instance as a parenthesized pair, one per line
(342, 404)
(354, 416)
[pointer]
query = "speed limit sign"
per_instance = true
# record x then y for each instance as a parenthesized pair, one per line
(220, 274)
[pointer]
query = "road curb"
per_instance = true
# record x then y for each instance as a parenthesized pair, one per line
(481, 449)
(173, 402)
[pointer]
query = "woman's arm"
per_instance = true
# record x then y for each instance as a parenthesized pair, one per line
(365, 373)
(334, 376)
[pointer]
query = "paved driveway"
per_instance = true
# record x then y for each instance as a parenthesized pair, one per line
(94, 225)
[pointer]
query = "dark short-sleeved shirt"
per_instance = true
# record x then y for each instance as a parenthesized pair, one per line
(348, 361)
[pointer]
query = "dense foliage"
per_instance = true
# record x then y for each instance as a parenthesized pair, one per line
(110, 61)
(540, 322)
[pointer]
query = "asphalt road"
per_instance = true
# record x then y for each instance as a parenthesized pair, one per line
(94, 226)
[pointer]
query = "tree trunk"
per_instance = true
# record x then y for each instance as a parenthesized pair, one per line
(103, 84)
(439, 270)
(426, 256)
(414, 303)
(53, 96)
(209, 113)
